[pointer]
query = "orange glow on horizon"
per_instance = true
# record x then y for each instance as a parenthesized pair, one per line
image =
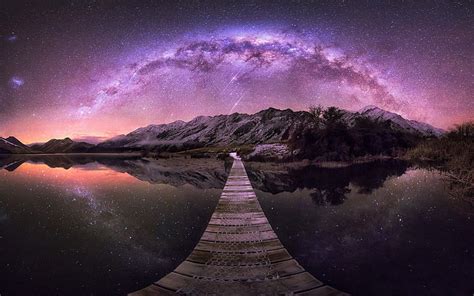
(75, 175)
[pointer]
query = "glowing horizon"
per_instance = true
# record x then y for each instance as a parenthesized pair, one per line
(100, 79)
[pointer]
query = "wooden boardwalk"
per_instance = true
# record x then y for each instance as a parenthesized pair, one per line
(239, 254)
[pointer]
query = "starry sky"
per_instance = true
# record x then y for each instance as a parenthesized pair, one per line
(90, 70)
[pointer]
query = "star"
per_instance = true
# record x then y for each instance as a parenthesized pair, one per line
(95, 75)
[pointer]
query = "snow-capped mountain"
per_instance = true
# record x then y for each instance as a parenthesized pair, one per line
(13, 145)
(396, 121)
(267, 126)
(17, 142)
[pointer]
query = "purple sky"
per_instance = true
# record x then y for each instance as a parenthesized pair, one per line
(88, 70)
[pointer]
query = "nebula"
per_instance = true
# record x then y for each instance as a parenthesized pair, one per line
(255, 60)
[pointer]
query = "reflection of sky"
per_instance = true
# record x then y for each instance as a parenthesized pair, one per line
(86, 185)
(3, 215)
(95, 221)
(134, 229)
(90, 175)
(410, 229)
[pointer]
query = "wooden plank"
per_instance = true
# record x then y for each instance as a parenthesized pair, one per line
(301, 281)
(239, 253)
(323, 291)
(233, 229)
(174, 281)
(304, 280)
(239, 237)
(153, 290)
(241, 258)
(239, 247)
(256, 271)
(238, 221)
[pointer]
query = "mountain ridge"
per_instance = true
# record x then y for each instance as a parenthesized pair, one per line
(377, 113)
(269, 125)
(65, 145)
(266, 126)
(13, 145)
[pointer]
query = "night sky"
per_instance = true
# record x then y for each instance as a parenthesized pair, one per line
(91, 69)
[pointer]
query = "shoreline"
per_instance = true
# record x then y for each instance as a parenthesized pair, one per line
(74, 154)
(186, 154)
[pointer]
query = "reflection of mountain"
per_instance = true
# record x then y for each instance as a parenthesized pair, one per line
(200, 173)
(203, 174)
(366, 176)
(11, 166)
(61, 160)
(329, 184)
(335, 196)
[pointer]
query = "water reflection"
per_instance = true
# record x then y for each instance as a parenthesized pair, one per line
(92, 230)
(407, 237)
(330, 186)
(200, 173)
(118, 222)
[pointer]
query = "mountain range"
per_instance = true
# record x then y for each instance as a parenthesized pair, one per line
(267, 126)
(62, 146)
(13, 145)
(396, 121)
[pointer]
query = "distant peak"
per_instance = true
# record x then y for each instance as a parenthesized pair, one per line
(269, 110)
(65, 140)
(14, 140)
(369, 107)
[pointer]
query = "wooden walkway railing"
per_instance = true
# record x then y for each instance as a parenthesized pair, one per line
(239, 254)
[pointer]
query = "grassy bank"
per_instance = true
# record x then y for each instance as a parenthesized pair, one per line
(454, 154)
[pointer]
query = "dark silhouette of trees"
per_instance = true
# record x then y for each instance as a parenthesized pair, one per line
(463, 131)
(332, 139)
(317, 113)
(332, 116)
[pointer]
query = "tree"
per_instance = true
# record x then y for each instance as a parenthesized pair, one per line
(332, 116)
(363, 122)
(463, 131)
(316, 112)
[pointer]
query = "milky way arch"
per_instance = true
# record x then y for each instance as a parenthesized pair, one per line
(250, 58)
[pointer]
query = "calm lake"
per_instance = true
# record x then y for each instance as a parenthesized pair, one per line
(96, 225)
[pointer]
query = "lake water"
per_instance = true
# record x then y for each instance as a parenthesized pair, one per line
(90, 225)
